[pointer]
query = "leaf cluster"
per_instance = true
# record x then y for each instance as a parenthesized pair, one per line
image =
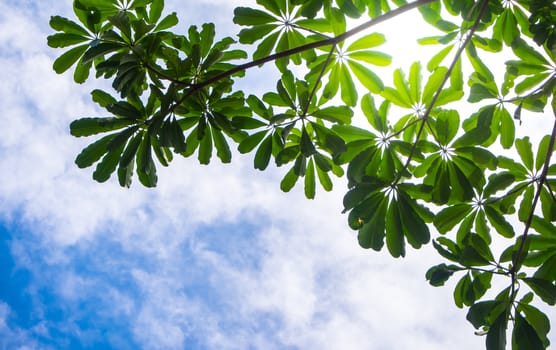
(417, 165)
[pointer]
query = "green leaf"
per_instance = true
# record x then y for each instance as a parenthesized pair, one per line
(246, 16)
(541, 225)
(310, 180)
(92, 153)
(527, 53)
(543, 288)
(507, 128)
(481, 131)
(340, 115)
(92, 126)
(416, 230)
(524, 336)
(433, 84)
(125, 175)
(463, 293)
(497, 220)
(371, 234)
(252, 34)
(435, 61)
(349, 92)
(205, 148)
(480, 92)
(392, 95)
(449, 217)
(322, 174)
(307, 147)
(446, 126)
(525, 151)
(131, 150)
(65, 25)
(480, 313)
(81, 72)
(250, 142)
(167, 22)
(155, 11)
(367, 42)
(108, 164)
(289, 180)
(68, 59)
(100, 50)
(102, 98)
(498, 182)
(264, 152)
(366, 77)
(394, 231)
(496, 336)
(439, 274)
(538, 321)
(542, 153)
(146, 170)
(373, 57)
(124, 109)
(415, 81)
(222, 148)
(65, 39)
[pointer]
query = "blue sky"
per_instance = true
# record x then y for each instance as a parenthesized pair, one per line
(214, 258)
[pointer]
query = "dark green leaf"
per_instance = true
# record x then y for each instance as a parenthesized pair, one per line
(340, 115)
(289, 180)
(497, 220)
(65, 39)
(92, 126)
(525, 151)
(246, 16)
(264, 152)
(310, 180)
(496, 336)
(544, 289)
(250, 142)
(394, 231)
(68, 59)
(92, 153)
(480, 313)
(108, 164)
(167, 22)
(146, 169)
(439, 274)
(524, 336)
(449, 217)
(222, 148)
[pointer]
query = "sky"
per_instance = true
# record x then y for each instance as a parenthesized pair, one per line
(215, 257)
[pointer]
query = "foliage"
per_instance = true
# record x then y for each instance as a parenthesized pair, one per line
(431, 172)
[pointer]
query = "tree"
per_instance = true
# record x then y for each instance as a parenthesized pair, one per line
(430, 170)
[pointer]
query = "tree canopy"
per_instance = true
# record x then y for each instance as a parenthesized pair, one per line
(422, 171)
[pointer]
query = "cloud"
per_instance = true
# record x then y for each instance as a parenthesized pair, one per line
(15, 338)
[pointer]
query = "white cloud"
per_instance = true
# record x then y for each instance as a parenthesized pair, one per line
(14, 337)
